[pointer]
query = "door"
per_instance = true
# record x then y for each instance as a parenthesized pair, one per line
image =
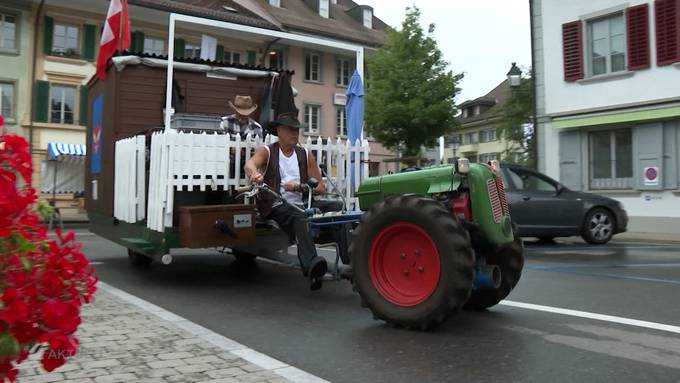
(540, 206)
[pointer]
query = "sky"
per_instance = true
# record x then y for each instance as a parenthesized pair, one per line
(478, 38)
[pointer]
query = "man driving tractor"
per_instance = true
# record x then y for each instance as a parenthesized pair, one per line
(286, 167)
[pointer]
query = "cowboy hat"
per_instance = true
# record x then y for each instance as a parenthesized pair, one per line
(243, 105)
(285, 119)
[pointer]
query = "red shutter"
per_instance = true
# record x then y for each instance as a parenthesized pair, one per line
(572, 50)
(637, 36)
(666, 13)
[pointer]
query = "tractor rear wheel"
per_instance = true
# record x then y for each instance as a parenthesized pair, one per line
(412, 262)
(510, 259)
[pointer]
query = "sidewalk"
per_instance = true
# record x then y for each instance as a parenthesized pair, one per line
(125, 339)
(659, 238)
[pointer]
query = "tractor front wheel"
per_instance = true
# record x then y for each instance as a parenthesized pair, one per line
(510, 259)
(412, 262)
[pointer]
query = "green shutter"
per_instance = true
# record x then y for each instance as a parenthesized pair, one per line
(42, 101)
(179, 48)
(47, 40)
(252, 57)
(219, 54)
(83, 105)
(88, 42)
(137, 42)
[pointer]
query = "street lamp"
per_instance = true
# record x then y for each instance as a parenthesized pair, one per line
(514, 75)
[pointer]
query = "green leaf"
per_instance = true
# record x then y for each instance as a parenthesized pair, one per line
(410, 94)
(8, 346)
(26, 263)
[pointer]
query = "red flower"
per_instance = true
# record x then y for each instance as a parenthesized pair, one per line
(43, 283)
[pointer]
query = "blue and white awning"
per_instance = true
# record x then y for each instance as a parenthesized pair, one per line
(57, 151)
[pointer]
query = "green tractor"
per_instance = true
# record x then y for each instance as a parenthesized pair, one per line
(434, 241)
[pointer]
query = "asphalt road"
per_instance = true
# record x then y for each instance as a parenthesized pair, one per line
(328, 334)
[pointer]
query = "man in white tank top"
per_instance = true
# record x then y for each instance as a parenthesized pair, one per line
(289, 173)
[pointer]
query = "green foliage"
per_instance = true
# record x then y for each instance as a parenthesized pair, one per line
(515, 116)
(410, 94)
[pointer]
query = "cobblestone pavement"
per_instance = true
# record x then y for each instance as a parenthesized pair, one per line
(125, 339)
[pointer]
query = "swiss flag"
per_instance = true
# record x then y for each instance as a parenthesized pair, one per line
(111, 36)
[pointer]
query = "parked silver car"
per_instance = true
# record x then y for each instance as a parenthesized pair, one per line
(544, 208)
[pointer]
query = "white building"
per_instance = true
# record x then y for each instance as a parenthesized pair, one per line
(608, 102)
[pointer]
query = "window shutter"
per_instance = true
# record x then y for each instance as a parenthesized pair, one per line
(648, 152)
(666, 13)
(88, 42)
(572, 50)
(47, 37)
(219, 53)
(137, 42)
(42, 101)
(251, 57)
(83, 105)
(180, 44)
(637, 35)
(570, 159)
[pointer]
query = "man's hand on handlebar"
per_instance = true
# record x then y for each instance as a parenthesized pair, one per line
(256, 178)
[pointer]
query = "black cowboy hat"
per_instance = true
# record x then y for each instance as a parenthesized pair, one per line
(286, 119)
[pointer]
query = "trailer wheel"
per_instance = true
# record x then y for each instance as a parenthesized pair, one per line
(412, 262)
(510, 260)
(138, 259)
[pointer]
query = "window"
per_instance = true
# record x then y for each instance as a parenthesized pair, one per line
(487, 135)
(275, 3)
(313, 118)
(368, 18)
(232, 57)
(607, 44)
(476, 110)
(323, 8)
(62, 104)
(65, 41)
(486, 157)
(313, 67)
(342, 72)
(529, 181)
(8, 32)
(611, 159)
(192, 51)
(154, 46)
(470, 138)
(340, 121)
(7, 100)
(276, 59)
(465, 113)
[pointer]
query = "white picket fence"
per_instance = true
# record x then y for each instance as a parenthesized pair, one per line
(130, 181)
(187, 161)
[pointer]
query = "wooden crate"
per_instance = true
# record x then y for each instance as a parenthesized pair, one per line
(198, 225)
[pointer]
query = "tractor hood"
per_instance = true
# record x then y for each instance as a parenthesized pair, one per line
(439, 179)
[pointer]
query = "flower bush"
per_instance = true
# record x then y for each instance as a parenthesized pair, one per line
(43, 282)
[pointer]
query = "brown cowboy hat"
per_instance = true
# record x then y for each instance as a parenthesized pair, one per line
(285, 119)
(243, 105)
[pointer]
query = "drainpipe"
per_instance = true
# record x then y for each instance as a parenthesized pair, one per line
(533, 87)
(35, 64)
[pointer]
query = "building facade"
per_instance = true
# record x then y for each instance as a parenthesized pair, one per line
(66, 35)
(608, 106)
(477, 137)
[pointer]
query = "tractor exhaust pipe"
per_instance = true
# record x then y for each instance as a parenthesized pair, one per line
(487, 277)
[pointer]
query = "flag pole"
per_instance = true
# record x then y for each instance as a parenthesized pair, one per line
(120, 27)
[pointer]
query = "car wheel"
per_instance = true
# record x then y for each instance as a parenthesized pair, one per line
(598, 227)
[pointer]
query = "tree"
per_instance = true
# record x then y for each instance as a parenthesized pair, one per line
(516, 124)
(410, 94)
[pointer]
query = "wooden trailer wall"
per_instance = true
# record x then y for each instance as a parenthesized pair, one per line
(131, 102)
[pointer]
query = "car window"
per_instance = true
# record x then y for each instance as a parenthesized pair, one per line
(528, 181)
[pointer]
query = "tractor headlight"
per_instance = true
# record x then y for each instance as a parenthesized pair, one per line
(495, 165)
(463, 165)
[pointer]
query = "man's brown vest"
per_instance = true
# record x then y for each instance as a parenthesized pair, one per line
(272, 176)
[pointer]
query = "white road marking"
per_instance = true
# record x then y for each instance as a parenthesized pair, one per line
(594, 316)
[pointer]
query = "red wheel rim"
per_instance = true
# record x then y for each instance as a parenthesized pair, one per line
(404, 264)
